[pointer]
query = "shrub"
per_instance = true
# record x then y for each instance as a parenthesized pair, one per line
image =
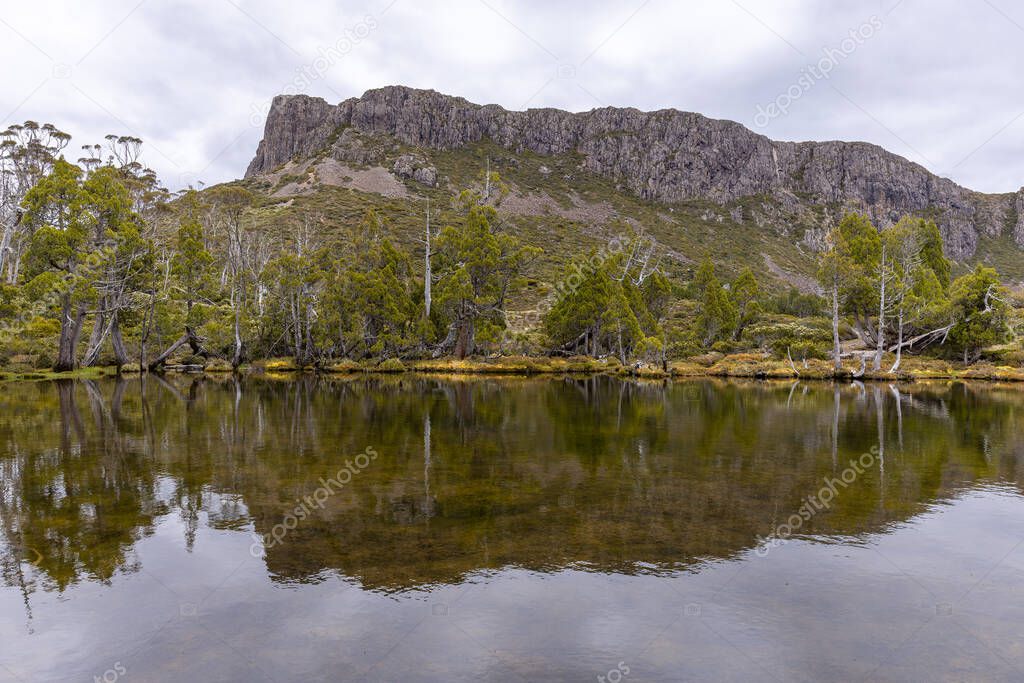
(276, 365)
(344, 365)
(391, 365)
(523, 343)
(218, 365)
(795, 303)
(1010, 356)
(707, 359)
(725, 346)
(649, 350)
(800, 338)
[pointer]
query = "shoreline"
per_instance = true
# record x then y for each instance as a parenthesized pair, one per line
(740, 366)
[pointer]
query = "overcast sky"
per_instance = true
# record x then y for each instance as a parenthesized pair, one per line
(937, 81)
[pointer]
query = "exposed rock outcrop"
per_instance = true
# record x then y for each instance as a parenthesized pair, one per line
(416, 168)
(665, 156)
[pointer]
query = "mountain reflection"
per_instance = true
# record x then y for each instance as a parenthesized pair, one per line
(472, 473)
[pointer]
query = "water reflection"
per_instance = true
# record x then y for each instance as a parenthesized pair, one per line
(508, 529)
(472, 474)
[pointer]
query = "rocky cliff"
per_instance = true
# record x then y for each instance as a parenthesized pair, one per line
(663, 156)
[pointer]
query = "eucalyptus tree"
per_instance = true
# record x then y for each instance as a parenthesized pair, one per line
(979, 311)
(717, 317)
(124, 258)
(295, 280)
(27, 154)
(847, 270)
(243, 261)
(372, 305)
(745, 294)
(860, 250)
(921, 276)
(61, 261)
(188, 279)
(478, 265)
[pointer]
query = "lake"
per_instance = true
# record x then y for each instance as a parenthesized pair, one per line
(416, 528)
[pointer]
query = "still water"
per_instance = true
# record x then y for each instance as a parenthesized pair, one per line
(447, 529)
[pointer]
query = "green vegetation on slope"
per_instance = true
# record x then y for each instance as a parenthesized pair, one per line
(323, 261)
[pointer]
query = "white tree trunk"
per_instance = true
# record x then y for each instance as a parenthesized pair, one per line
(899, 344)
(837, 349)
(5, 245)
(428, 275)
(880, 345)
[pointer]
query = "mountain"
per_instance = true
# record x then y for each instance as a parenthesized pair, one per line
(677, 167)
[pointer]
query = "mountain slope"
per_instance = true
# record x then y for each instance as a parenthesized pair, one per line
(665, 156)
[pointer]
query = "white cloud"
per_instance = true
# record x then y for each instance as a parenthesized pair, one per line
(939, 83)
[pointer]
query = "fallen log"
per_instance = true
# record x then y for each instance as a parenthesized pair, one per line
(195, 343)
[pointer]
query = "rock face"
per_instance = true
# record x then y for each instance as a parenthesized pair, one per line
(664, 156)
(410, 166)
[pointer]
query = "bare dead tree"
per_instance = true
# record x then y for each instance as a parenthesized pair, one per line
(428, 273)
(886, 275)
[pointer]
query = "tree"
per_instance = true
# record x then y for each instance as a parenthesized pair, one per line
(191, 262)
(189, 276)
(830, 274)
(57, 208)
(228, 204)
(27, 154)
(919, 271)
(717, 316)
(929, 241)
(127, 261)
(845, 271)
(744, 294)
(85, 232)
(979, 312)
(859, 248)
(371, 303)
(428, 275)
(478, 267)
(596, 311)
(295, 279)
(885, 276)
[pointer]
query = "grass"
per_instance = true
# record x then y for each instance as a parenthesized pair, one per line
(1002, 253)
(503, 365)
(519, 365)
(912, 368)
(19, 375)
(740, 365)
(278, 365)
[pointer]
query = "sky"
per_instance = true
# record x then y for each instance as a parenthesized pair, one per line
(936, 81)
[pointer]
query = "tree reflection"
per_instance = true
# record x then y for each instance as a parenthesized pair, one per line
(473, 473)
(75, 498)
